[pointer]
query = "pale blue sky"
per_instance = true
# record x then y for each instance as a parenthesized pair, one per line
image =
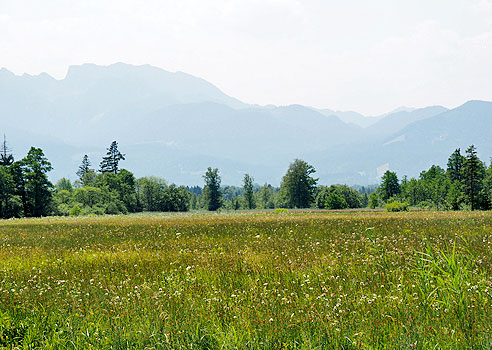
(368, 56)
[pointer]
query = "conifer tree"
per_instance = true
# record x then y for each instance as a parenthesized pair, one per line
(473, 174)
(455, 166)
(6, 157)
(35, 167)
(249, 197)
(211, 191)
(84, 168)
(109, 164)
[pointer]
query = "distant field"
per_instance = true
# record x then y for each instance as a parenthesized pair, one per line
(249, 280)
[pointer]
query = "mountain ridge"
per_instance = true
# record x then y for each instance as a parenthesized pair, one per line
(170, 124)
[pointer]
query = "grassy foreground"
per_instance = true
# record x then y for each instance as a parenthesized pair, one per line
(248, 281)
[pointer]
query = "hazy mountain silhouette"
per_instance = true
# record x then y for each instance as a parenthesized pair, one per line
(175, 125)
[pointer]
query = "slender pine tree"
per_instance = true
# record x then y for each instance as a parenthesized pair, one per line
(249, 197)
(6, 157)
(473, 174)
(109, 164)
(84, 168)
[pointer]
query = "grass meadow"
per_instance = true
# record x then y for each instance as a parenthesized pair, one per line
(297, 280)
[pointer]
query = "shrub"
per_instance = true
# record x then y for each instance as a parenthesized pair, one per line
(426, 205)
(335, 201)
(397, 206)
(281, 211)
(75, 211)
(112, 209)
(374, 200)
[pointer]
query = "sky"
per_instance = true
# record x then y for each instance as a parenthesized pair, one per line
(367, 56)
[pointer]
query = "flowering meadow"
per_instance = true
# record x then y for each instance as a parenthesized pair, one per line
(296, 280)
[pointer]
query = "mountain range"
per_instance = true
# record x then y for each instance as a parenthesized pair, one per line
(175, 125)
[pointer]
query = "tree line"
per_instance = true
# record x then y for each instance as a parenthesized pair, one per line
(25, 190)
(466, 184)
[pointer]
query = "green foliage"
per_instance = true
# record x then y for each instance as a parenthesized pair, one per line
(265, 197)
(155, 195)
(338, 197)
(75, 211)
(84, 169)
(121, 187)
(487, 187)
(89, 178)
(435, 185)
(92, 196)
(26, 191)
(463, 186)
(281, 211)
(175, 199)
(109, 164)
(323, 193)
(473, 175)
(211, 191)
(35, 167)
(149, 193)
(10, 204)
(64, 184)
(389, 186)
(349, 197)
(374, 201)
(455, 196)
(396, 206)
(298, 186)
(127, 190)
(249, 197)
(455, 166)
(426, 205)
(6, 157)
(335, 201)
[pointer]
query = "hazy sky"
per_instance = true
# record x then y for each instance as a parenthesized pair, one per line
(368, 56)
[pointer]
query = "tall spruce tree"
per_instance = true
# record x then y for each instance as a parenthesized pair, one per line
(211, 190)
(473, 175)
(455, 166)
(6, 190)
(84, 168)
(6, 157)
(249, 196)
(110, 163)
(35, 167)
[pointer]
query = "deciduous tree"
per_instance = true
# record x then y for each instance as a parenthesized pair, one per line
(298, 186)
(389, 185)
(211, 191)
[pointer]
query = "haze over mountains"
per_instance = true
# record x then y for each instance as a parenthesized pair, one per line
(175, 125)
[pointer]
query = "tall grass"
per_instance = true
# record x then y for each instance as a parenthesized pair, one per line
(248, 281)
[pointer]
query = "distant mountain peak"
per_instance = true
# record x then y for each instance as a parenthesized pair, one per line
(400, 109)
(474, 104)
